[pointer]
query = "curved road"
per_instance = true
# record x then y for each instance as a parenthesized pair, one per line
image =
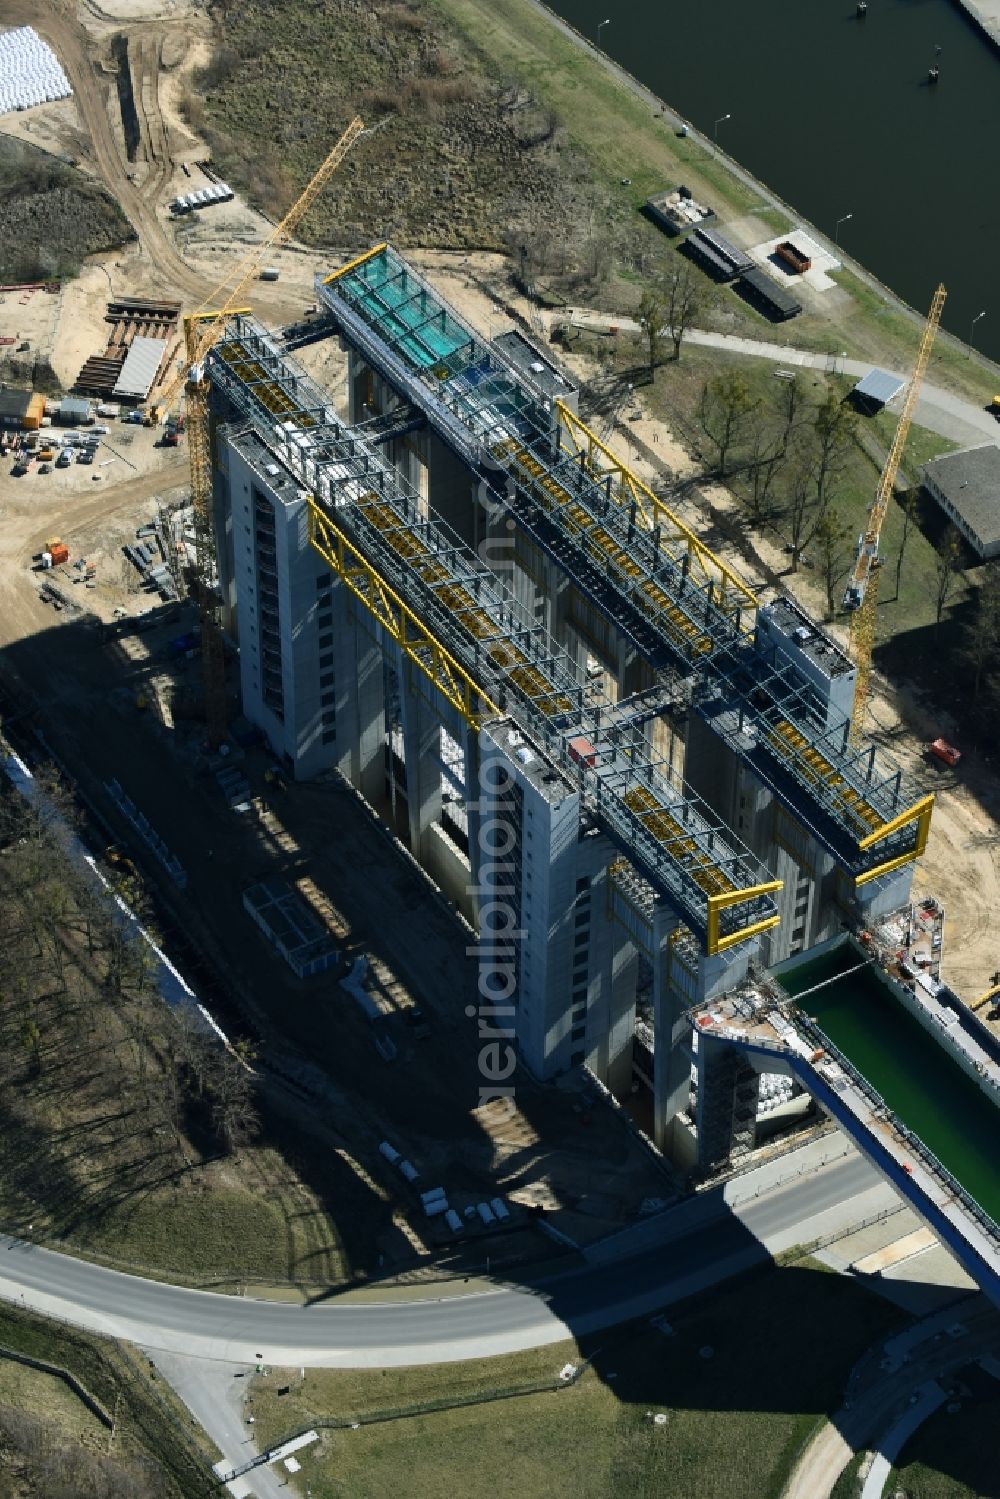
(702, 1243)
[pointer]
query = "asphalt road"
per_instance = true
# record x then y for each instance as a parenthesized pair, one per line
(703, 1243)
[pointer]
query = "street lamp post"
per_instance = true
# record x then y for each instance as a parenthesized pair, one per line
(720, 121)
(842, 220)
(600, 27)
(972, 328)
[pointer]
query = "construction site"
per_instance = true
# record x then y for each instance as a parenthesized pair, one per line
(422, 663)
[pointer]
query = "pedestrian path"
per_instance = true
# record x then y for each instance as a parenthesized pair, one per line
(938, 410)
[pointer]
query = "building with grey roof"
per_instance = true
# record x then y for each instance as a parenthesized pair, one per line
(967, 487)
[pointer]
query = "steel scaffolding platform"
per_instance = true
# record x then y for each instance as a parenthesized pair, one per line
(455, 620)
(680, 605)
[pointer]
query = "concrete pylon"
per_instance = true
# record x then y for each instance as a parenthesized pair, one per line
(671, 1045)
(422, 753)
(683, 975)
(360, 683)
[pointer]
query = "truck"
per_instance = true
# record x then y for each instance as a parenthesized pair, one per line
(947, 753)
(173, 428)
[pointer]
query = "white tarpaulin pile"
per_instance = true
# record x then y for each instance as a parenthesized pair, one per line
(29, 71)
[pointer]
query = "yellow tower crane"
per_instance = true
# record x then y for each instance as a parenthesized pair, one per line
(202, 330)
(993, 992)
(861, 595)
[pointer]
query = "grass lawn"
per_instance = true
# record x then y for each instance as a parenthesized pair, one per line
(736, 1420)
(53, 1442)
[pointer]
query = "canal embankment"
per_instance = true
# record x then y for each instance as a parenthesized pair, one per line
(986, 14)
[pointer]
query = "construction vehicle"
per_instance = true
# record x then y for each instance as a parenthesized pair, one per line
(942, 750)
(861, 594)
(202, 330)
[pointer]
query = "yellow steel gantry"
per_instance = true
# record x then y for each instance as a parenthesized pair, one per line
(861, 595)
(729, 592)
(202, 330)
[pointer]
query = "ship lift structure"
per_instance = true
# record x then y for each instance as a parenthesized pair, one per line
(689, 615)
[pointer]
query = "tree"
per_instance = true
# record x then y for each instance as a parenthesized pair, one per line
(803, 512)
(834, 435)
(982, 633)
(234, 1113)
(791, 403)
(832, 537)
(683, 299)
(908, 505)
(945, 572)
(763, 464)
(651, 318)
(31, 1040)
(724, 411)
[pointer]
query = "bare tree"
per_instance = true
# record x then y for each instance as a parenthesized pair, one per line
(234, 1113)
(763, 464)
(908, 505)
(803, 511)
(831, 539)
(682, 302)
(834, 429)
(945, 572)
(724, 411)
(651, 318)
(792, 402)
(982, 633)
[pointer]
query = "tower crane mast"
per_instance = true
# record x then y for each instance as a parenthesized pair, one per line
(861, 594)
(202, 330)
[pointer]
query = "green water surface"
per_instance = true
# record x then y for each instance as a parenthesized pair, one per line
(915, 1076)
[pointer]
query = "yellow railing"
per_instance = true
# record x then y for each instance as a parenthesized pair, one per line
(729, 590)
(450, 678)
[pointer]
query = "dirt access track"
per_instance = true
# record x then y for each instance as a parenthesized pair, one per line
(75, 48)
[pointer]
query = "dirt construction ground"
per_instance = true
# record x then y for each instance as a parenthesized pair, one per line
(166, 39)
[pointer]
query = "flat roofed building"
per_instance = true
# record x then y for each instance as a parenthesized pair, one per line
(765, 293)
(967, 487)
(142, 363)
(877, 389)
(21, 409)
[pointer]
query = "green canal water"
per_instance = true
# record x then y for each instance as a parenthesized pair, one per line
(915, 1076)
